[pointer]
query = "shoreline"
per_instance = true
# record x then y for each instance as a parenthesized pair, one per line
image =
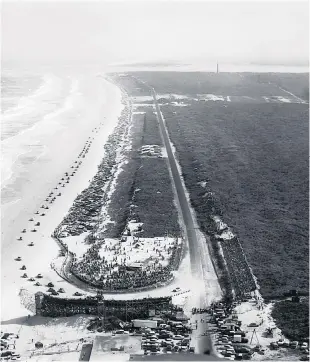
(44, 247)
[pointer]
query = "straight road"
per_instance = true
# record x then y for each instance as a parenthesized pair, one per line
(194, 242)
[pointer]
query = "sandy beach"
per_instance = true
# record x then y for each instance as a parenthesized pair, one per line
(43, 257)
(15, 216)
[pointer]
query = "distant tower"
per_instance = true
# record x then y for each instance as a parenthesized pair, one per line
(217, 67)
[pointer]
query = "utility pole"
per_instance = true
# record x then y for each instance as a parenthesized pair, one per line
(101, 310)
(217, 67)
(254, 332)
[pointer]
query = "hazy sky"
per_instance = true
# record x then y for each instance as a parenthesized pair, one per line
(102, 31)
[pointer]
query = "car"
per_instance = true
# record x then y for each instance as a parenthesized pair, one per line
(176, 290)
(274, 345)
(178, 337)
(294, 344)
(119, 331)
(304, 358)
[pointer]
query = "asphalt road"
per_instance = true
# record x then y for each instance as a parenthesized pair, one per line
(203, 342)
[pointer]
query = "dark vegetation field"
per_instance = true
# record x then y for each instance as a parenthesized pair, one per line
(144, 190)
(255, 161)
(292, 318)
(130, 84)
(233, 84)
(294, 83)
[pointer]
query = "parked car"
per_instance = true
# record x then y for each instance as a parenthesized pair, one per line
(304, 358)
(178, 337)
(294, 344)
(274, 345)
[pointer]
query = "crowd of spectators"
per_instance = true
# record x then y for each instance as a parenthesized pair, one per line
(113, 275)
(240, 272)
(55, 307)
(84, 213)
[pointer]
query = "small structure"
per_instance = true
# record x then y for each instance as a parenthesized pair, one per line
(134, 267)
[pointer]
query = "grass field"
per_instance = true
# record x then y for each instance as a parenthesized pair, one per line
(144, 190)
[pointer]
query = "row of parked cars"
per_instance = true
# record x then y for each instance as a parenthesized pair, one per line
(167, 338)
(8, 347)
(231, 341)
(302, 346)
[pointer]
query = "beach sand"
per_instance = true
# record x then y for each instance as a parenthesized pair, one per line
(15, 216)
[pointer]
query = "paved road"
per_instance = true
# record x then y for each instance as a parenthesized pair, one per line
(193, 242)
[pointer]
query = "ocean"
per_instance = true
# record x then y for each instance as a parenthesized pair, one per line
(47, 116)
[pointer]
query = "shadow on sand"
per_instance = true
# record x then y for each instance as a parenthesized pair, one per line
(74, 321)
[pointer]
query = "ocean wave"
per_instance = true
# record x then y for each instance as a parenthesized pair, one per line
(27, 101)
(80, 102)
